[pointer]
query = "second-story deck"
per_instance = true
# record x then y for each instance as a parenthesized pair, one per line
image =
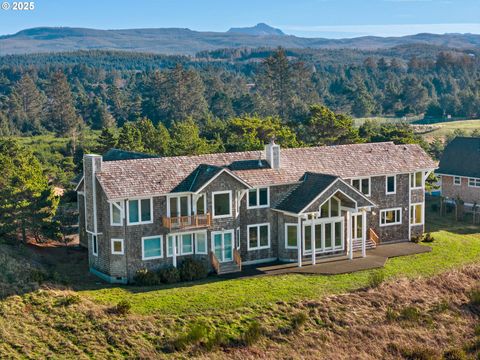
(187, 222)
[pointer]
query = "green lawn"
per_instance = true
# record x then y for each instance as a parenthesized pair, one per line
(448, 127)
(457, 244)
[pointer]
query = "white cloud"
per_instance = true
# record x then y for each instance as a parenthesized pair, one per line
(338, 31)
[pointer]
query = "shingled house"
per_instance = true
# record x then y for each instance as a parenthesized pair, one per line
(234, 209)
(459, 170)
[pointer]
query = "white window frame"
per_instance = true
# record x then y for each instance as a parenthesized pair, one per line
(204, 195)
(329, 201)
(95, 245)
(143, 247)
(412, 180)
(475, 181)
(399, 222)
(394, 185)
(229, 215)
(287, 225)
(122, 212)
(455, 183)
(196, 242)
(258, 198)
(140, 222)
(237, 238)
(414, 206)
(122, 252)
(177, 197)
(180, 243)
(258, 247)
(361, 179)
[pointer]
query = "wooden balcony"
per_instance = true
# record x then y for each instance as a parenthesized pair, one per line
(187, 222)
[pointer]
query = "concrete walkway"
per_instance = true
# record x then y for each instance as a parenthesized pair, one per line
(376, 258)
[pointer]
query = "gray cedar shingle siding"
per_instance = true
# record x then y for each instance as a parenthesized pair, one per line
(158, 177)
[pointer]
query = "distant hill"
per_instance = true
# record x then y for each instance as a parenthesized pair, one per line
(189, 42)
(260, 29)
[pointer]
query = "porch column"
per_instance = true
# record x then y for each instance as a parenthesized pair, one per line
(312, 243)
(299, 241)
(349, 235)
(364, 233)
(174, 246)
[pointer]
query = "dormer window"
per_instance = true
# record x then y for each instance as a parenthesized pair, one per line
(258, 198)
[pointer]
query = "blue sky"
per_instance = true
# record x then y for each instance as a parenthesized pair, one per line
(309, 18)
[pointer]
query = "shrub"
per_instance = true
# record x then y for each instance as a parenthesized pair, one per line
(198, 332)
(420, 354)
(37, 275)
(191, 269)
(474, 296)
(252, 334)
(298, 320)
(455, 354)
(68, 300)
(169, 275)
(122, 308)
(376, 278)
(428, 238)
(416, 239)
(410, 313)
(146, 277)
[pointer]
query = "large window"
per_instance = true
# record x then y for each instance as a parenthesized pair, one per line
(152, 247)
(178, 206)
(362, 185)
(390, 217)
(416, 214)
(330, 208)
(116, 213)
(201, 204)
(473, 182)
(201, 243)
(258, 236)
(291, 239)
(184, 243)
(140, 211)
(117, 247)
(416, 180)
(258, 198)
(391, 184)
(457, 180)
(222, 204)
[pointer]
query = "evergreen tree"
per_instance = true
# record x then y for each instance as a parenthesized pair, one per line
(324, 127)
(106, 140)
(27, 202)
(26, 105)
(130, 138)
(186, 140)
(61, 116)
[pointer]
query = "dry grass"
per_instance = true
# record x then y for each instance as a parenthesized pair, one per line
(61, 324)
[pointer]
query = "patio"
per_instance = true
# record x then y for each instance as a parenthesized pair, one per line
(376, 258)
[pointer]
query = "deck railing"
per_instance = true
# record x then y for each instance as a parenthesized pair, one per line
(186, 222)
(237, 258)
(214, 261)
(372, 235)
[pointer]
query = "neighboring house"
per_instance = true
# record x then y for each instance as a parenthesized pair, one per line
(249, 207)
(459, 170)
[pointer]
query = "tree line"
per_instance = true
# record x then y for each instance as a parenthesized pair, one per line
(65, 99)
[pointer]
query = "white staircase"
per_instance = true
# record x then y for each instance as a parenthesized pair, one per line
(357, 244)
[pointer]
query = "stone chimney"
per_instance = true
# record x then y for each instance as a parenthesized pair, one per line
(91, 165)
(272, 154)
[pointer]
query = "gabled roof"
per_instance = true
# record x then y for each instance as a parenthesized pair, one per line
(198, 178)
(312, 188)
(461, 157)
(157, 176)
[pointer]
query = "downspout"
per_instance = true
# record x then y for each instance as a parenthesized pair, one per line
(125, 237)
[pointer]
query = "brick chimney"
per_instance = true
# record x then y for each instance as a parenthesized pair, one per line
(272, 154)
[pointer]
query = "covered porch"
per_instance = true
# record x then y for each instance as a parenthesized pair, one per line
(331, 219)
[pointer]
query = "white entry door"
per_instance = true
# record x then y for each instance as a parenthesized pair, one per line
(222, 245)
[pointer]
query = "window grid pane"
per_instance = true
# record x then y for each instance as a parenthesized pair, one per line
(133, 211)
(152, 247)
(263, 196)
(291, 235)
(222, 204)
(263, 235)
(146, 214)
(252, 197)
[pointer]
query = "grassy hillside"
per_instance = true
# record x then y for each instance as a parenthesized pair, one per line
(448, 127)
(270, 317)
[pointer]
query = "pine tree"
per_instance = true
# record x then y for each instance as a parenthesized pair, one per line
(130, 138)
(26, 105)
(186, 139)
(106, 140)
(61, 116)
(27, 202)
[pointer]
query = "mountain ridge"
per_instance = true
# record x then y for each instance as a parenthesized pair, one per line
(184, 41)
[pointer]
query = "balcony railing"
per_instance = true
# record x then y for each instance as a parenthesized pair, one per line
(187, 222)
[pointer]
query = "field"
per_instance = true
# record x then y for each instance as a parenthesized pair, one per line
(242, 318)
(448, 127)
